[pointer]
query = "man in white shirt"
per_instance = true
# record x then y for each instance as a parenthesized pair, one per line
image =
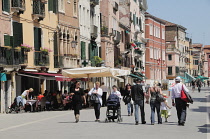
(181, 106)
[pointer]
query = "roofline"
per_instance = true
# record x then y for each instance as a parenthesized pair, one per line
(155, 18)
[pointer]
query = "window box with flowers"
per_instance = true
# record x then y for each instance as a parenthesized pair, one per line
(26, 48)
(45, 51)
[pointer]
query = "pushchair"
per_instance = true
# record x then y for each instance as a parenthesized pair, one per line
(16, 105)
(113, 109)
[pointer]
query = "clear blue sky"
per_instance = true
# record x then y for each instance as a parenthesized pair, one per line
(192, 14)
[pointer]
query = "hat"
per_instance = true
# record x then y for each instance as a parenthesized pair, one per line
(165, 96)
(178, 79)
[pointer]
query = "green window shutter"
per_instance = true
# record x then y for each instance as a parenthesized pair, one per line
(90, 51)
(7, 40)
(50, 5)
(55, 6)
(12, 41)
(96, 51)
(15, 33)
(55, 44)
(134, 19)
(6, 5)
(36, 43)
(20, 34)
(83, 55)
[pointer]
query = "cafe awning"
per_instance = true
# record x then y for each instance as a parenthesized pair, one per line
(140, 74)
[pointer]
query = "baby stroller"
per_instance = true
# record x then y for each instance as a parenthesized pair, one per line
(113, 109)
(16, 105)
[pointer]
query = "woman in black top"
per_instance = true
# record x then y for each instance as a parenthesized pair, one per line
(127, 99)
(78, 94)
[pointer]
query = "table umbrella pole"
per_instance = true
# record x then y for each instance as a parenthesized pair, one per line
(88, 81)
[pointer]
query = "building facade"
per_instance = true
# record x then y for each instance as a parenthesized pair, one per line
(206, 64)
(155, 49)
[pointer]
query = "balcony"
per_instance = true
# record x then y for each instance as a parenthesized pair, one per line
(115, 7)
(94, 31)
(38, 10)
(41, 59)
(11, 57)
(18, 6)
(94, 2)
(117, 38)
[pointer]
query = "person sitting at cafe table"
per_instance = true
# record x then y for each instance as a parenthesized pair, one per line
(25, 96)
(39, 98)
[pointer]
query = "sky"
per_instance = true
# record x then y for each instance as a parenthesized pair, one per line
(191, 14)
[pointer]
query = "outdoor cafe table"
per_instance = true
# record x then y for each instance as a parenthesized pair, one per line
(31, 102)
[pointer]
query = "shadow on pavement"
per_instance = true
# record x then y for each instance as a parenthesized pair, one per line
(65, 122)
(204, 128)
(201, 109)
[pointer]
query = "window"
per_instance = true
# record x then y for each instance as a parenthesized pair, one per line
(209, 56)
(150, 29)
(177, 70)
(37, 38)
(170, 71)
(52, 5)
(163, 55)
(151, 52)
(17, 33)
(195, 62)
(169, 57)
(83, 51)
(163, 33)
(140, 24)
(61, 5)
(75, 7)
(6, 5)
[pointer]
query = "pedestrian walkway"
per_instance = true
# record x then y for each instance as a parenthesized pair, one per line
(60, 124)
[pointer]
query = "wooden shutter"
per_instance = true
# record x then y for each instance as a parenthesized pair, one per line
(55, 44)
(83, 55)
(20, 34)
(50, 5)
(96, 51)
(36, 40)
(90, 51)
(7, 40)
(55, 6)
(6, 5)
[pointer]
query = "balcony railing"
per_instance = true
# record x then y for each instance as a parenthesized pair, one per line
(94, 31)
(94, 2)
(41, 59)
(11, 57)
(38, 9)
(18, 6)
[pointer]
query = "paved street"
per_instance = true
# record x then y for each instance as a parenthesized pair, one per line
(60, 124)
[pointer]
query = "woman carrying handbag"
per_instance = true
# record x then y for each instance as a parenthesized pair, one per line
(128, 100)
(96, 94)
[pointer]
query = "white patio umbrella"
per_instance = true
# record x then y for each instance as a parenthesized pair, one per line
(94, 72)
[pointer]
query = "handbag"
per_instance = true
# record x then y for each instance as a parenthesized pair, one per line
(127, 99)
(94, 98)
(183, 95)
(186, 96)
(159, 97)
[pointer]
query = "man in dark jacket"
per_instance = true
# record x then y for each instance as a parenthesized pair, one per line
(138, 92)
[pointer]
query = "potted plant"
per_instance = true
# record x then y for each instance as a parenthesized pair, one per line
(17, 49)
(97, 61)
(27, 48)
(45, 50)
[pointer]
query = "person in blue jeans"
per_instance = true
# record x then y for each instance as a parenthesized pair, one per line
(127, 98)
(138, 93)
(154, 104)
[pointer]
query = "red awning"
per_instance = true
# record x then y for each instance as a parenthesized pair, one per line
(58, 77)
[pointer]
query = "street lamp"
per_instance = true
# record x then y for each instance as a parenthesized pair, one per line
(73, 44)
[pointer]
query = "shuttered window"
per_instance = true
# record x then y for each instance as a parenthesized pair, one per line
(37, 39)
(17, 33)
(53, 5)
(6, 5)
(7, 41)
(55, 44)
(90, 52)
(83, 51)
(140, 23)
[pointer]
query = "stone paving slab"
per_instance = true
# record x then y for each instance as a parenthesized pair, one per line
(60, 124)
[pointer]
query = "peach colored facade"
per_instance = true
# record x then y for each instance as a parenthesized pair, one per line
(155, 49)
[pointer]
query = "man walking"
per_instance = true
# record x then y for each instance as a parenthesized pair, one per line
(138, 92)
(181, 105)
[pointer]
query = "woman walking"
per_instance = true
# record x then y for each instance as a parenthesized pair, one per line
(154, 103)
(98, 103)
(127, 99)
(78, 94)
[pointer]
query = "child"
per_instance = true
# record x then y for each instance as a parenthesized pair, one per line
(164, 108)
